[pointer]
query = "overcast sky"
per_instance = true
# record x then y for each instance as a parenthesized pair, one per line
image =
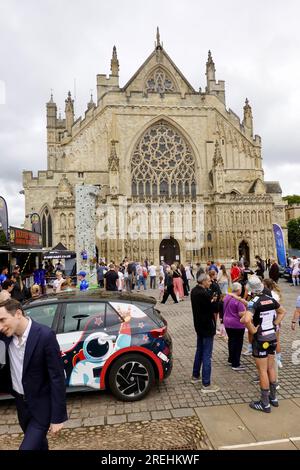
(56, 43)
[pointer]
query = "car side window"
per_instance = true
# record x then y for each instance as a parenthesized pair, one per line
(43, 314)
(81, 316)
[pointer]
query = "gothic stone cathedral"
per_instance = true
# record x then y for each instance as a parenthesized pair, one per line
(157, 141)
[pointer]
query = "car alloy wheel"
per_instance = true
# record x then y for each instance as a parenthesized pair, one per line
(131, 377)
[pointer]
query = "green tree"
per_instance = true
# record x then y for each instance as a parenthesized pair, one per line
(293, 226)
(294, 199)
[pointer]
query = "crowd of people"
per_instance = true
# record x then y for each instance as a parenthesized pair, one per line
(13, 284)
(242, 300)
(226, 302)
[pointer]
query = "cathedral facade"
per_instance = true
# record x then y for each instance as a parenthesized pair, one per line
(168, 160)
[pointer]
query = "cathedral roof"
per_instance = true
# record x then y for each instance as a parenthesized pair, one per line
(273, 187)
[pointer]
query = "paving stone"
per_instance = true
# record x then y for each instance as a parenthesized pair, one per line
(117, 419)
(73, 423)
(144, 416)
(94, 421)
(3, 429)
(182, 412)
(161, 414)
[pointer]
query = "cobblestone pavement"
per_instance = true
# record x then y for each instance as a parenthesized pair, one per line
(176, 397)
(171, 434)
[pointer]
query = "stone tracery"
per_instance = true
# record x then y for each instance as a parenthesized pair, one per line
(163, 164)
(160, 82)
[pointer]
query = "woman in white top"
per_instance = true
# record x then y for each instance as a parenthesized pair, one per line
(152, 274)
(120, 281)
(223, 279)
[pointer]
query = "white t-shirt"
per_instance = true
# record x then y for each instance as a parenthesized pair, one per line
(57, 284)
(295, 267)
(120, 280)
(152, 270)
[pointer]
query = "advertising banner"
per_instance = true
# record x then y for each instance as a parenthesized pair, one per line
(3, 222)
(20, 238)
(279, 241)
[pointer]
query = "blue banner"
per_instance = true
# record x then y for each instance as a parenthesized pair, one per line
(279, 241)
(3, 221)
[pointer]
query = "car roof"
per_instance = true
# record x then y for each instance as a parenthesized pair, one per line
(93, 295)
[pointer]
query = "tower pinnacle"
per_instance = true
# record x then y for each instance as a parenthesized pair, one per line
(158, 44)
(248, 118)
(114, 63)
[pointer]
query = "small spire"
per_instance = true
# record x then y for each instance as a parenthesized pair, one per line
(91, 103)
(158, 44)
(114, 63)
(69, 100)
(210, 59)
(247, 105)
(248, 118)
(51, 101)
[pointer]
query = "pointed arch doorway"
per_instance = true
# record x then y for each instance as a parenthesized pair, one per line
(244, 250)
(169, 250)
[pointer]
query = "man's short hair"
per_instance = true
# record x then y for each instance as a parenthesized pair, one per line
(6, 284)
(11, 306)
(202, 277)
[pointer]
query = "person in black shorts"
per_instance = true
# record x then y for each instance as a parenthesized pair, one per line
(261, 318)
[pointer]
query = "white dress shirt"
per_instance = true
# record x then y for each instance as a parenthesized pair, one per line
(16, 353)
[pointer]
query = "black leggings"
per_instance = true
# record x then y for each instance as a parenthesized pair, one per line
(169, 291)
(235, 345)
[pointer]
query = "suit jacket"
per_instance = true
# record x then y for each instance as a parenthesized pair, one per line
(43, 376)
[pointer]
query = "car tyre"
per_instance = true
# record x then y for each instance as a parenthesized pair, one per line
(131, 377)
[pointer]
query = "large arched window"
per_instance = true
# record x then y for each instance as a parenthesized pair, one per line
(47, 228)
(163, 164)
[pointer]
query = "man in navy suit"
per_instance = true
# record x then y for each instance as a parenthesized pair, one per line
(31, 370)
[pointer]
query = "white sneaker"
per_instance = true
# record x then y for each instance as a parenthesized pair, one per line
(247, 353)
(210, 389)
(195, 380)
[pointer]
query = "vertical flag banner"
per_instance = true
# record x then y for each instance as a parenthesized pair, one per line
(279, 241)
(35, 223)
(3, 221)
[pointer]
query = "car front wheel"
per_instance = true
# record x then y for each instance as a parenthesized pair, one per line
(131, 377)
